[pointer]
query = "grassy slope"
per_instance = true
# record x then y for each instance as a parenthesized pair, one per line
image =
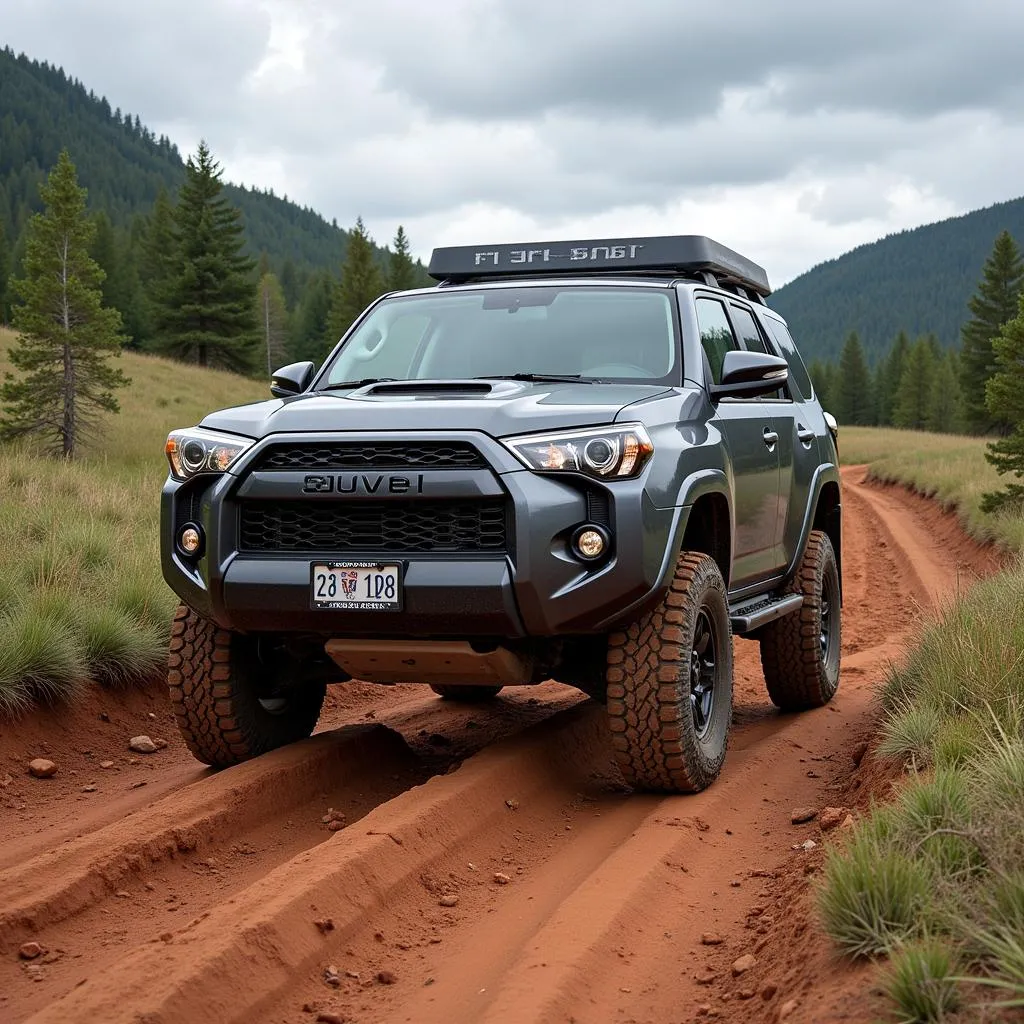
(935, 879)
(950, 468)
(81, 595)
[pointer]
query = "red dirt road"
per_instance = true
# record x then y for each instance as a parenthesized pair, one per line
(492, 866)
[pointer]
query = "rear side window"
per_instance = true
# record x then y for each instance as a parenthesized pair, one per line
(747, 330)
(716, 335)
(798, 375)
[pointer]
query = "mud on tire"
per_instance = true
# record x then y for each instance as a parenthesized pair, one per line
(466, 694)
(216, 680)
(670, 684)
(800, 652)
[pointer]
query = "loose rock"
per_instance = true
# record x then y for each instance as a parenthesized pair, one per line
(746, 993)
(802, 815)
(743, 964)
(331, 976)
(848, 822)
(40, 768)
(448, 901)
(707, 978)
(831, 817)
(512, 805)
(787, 1008)
(30, 950)
(768, 990)
(858, 754)
(501, 878)
(327, 1017)
(142, 745)
(91, 788)
(711, 939)
(386, 977)
(106, 764)
(159, 743)
(324, 924)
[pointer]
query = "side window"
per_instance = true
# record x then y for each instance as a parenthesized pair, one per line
(799, 378)
(716, 335)
(747, 329)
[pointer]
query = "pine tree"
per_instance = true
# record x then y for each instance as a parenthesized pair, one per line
(360, 283)
(272, 318)
(944, 405)
(5, 273)
(158, 263)
(822, 376)
(206, 315)
(310, 338)
(890, 381)
(290, 286)
(994, 303)
(914, 394)
(1004, 395)
(402, 270)
(851, 394)
(66, 336)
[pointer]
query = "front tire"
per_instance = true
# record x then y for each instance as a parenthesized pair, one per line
(670, 684)
(800, 652)
(466, 694)
(224, 698)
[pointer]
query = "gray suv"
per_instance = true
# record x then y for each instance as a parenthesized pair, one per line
(590, 461)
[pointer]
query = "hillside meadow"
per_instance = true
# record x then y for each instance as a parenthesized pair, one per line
(81, 595)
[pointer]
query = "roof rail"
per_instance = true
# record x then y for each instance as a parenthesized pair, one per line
(690, 254)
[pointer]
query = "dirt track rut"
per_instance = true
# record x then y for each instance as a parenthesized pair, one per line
(575, 900)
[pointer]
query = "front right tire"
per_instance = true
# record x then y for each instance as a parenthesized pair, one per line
(670, 684)
(228, 704)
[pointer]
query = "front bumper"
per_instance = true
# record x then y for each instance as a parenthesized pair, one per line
(536, 587)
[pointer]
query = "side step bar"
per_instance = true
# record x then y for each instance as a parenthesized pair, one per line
(747, 617)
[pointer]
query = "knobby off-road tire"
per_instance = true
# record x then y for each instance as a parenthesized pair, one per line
(467, 694)
(800, 652)
(216, 681)
(670, 684)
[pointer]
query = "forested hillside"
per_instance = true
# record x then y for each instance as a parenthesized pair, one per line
(916, 281)
(123, 165)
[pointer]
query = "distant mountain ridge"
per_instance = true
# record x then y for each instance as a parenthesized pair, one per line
(917, 280)
(123, 164)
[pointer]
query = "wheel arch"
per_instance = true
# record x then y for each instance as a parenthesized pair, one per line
(828, 518)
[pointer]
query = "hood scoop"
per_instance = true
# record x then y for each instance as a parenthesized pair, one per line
(432, 389)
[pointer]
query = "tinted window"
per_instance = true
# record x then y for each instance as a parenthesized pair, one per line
(747, 330)
(716, 335)
(799, 378)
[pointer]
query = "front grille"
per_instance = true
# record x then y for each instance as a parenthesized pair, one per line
(375, 455)
(374, 526)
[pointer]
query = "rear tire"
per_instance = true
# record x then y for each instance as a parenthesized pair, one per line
(800, 652)
(670, 684)
(466, 694)
(224, 698)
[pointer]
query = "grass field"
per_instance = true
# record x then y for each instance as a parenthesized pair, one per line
(950, 468)
(81, 595)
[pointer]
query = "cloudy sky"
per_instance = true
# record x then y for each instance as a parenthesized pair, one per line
(792, 130)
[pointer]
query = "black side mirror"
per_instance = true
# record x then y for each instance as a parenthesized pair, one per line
(749, 374)
(292, 379)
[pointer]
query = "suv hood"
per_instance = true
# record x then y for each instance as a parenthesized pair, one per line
(497, 407)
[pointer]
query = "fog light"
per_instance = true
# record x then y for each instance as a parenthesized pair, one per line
(590, 543)
(190, 540)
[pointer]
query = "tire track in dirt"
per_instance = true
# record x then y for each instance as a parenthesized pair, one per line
(603, 896)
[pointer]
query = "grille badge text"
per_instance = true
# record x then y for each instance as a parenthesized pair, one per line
(362, 483)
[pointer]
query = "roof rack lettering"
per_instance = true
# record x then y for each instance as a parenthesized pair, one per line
(683, 254)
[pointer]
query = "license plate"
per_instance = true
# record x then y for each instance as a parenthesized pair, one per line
(358, 586)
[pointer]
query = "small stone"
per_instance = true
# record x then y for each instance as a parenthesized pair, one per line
(6, 781)
(331, 976)
(802, 815)
(787, 1008)
(711, 939)
(166, 936)
(746, 993)
(501, 878)
(387, 977)
(30, 950)
(768, 990)
(151, 715)
(808, 844)
(512, 805)
(448, 901)
(123, 894)
(138, 785)
(91, 788)
(159, 743)
(354, 975)
(103, 716)
(40, 768)
(704, 1009)
(831, 817)
(106, 764)
(336, 825)
(329, 1017)
(707, 978)
(743, 964)
(324, 924)
(848, 822)
(858, 753)
(142, 745)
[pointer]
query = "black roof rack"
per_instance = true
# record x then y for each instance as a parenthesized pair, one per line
(684, 254)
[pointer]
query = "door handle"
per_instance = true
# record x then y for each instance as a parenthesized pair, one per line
(771, 438)
(804, 435)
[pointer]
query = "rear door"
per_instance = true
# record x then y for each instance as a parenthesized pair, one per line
(752, 444)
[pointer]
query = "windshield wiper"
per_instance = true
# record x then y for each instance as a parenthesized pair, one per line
(554, 378)
(364, 383)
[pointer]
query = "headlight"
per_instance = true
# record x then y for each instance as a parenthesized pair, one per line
(194, 451)
(614, 452)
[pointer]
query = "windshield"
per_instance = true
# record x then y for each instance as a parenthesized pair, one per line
(605, 333)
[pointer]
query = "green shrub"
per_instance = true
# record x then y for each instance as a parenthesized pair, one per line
(921, 982)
